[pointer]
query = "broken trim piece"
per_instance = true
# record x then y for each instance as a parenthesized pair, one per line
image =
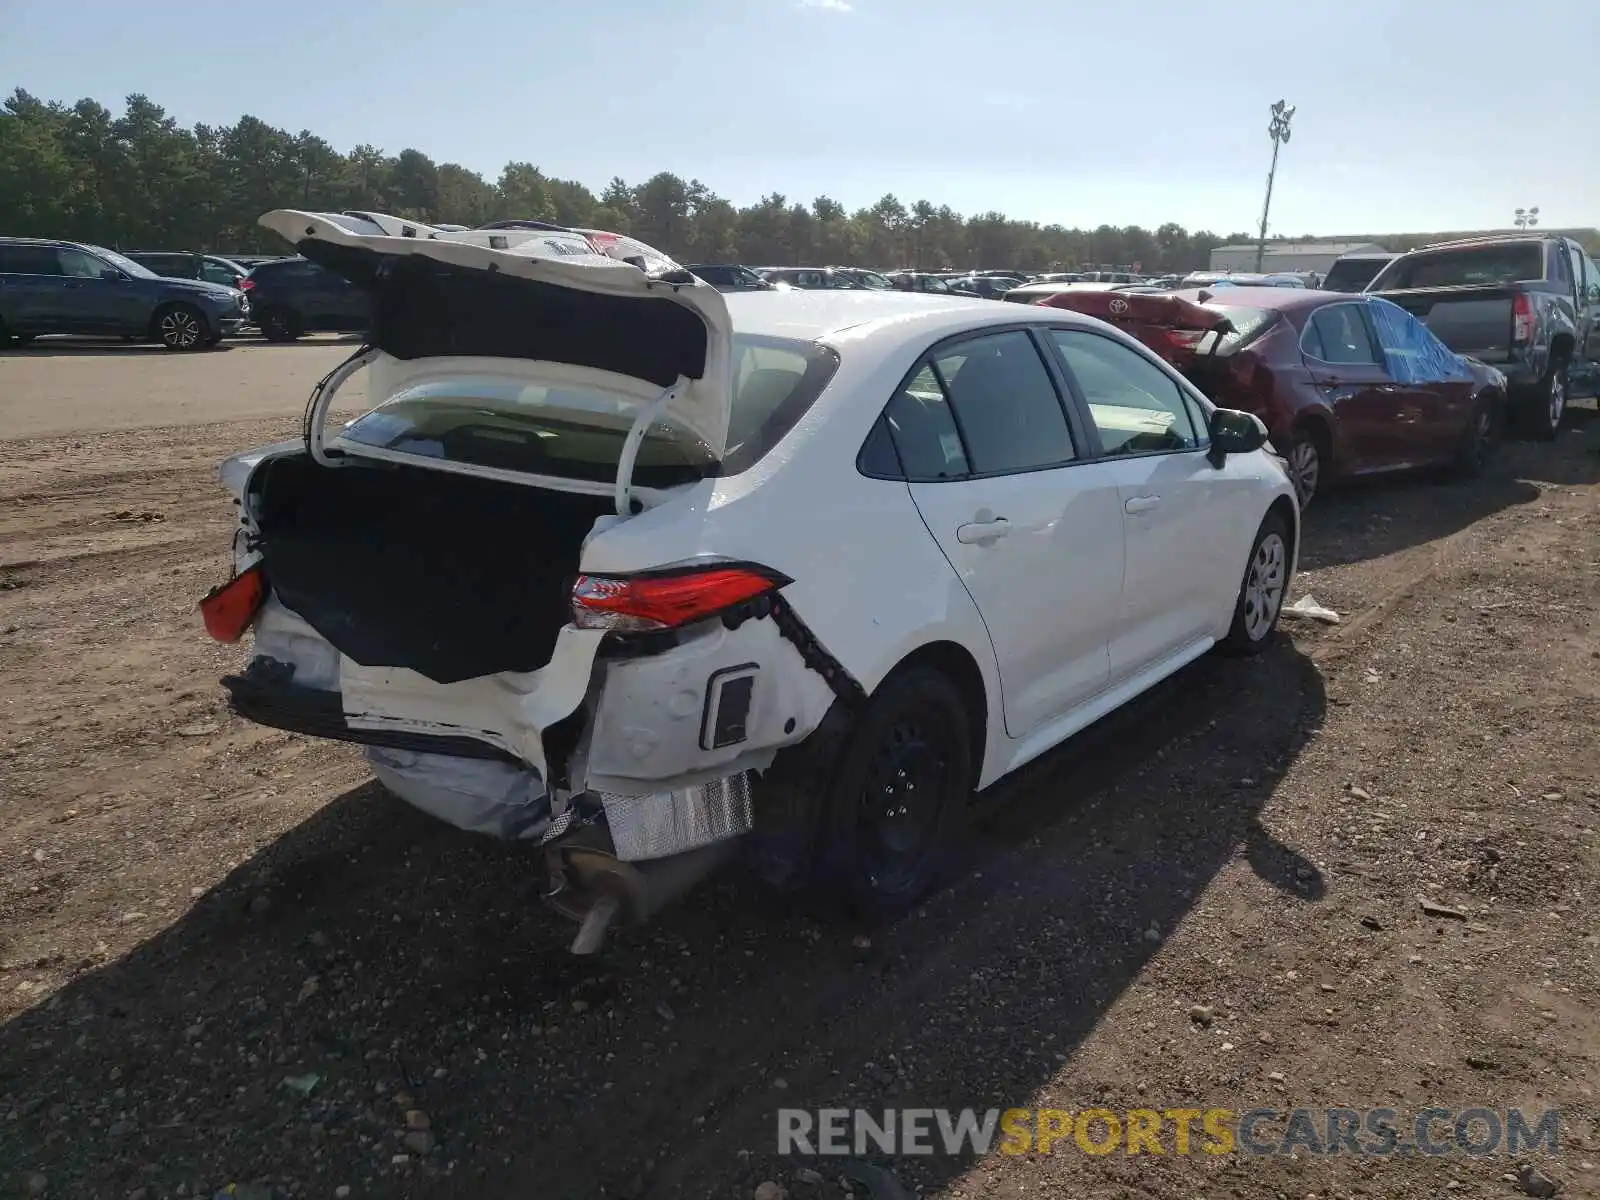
(815, 655)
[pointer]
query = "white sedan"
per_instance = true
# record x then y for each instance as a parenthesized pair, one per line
(630, 568)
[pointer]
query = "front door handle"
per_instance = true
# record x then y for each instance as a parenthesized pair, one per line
(1140, 504)
(981, 533)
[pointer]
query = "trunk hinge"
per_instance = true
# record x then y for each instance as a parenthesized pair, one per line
(322, 399)
(630, 446)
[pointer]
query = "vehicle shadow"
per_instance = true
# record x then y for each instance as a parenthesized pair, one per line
(1370, 518)
(370, 951)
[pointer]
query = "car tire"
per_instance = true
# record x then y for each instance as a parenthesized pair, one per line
(1543, 408)
(897, 797)
(181, 327)
(278, 324)
(1480, 439)
(1262, 590)
(1307, 465)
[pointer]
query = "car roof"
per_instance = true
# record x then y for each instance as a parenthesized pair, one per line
(894, 316)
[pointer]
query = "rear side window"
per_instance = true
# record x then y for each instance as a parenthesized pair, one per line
(924, 430)
(1005, 404)
(1337, 333)
(1470, 265)
(28, 260)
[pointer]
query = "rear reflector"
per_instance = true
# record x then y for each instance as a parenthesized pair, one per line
(229, 609)
(667, 600)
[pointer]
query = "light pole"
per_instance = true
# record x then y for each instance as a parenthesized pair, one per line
(1526, 218)
(1278, 131)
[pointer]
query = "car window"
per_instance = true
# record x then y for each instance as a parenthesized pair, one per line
(924, 431)
(1005, 404)
(1560, 272)
(1578, 280)
(1336, 333)
(1489, 264)
(28, 260)
(78, 264)
(216, 273)
(1137, 407)
(1411, 352)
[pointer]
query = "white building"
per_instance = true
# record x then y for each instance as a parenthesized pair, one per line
(1288, 256)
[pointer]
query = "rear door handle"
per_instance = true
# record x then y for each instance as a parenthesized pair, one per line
(1140, 504)
(980, 533)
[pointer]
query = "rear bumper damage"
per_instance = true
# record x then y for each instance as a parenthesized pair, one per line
(633, 773)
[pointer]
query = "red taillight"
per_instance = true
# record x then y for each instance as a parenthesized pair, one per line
(636, 603)
(246, 284)
(229, 609)
(1521, 318)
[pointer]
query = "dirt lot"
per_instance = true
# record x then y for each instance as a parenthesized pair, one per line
(227, 957)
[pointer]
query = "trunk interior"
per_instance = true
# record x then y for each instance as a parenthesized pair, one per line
(450, 576)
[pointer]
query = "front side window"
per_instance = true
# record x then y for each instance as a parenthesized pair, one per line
(78, 264)
(1005, 404)
(1337, 333)
(1137, 407)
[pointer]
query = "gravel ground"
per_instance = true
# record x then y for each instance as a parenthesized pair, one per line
(227, 957)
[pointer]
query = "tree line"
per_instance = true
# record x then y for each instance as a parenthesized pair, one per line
(142, 181)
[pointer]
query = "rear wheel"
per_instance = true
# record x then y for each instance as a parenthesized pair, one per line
(1480, 439)
(181, 327)
(1541, 412)
(898, 797)
(278, 324)
(1261, 592)
(1306, 465)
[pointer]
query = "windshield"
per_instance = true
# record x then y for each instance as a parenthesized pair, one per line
(1507, 262)
(509, 423)
(123, 263)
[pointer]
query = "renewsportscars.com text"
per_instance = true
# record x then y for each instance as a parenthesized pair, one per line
(1373, 1132)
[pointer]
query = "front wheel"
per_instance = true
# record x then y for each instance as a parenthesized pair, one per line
(1261, 592)
(898, 798)
(181, 327)
(1304, 457)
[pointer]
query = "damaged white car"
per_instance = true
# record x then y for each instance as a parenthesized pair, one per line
(632, 569)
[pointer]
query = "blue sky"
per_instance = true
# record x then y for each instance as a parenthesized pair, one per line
(1413, 114)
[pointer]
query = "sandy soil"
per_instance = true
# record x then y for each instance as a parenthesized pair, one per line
(227, 957)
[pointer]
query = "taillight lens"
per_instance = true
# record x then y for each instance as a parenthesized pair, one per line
(1521, 318)
(246, 284)
(667, 599)
(229, 609)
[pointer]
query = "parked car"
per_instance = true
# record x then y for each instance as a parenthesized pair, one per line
(812, 279)
(919, 281)
(1034, 293)
(988, 287)
(730, 277)
(1202, 279)
(1352, 272)
(182, 264)
(807, 567)
(1523, 303)
(1347, 385)
(871, 280)
(71, 287)
(290, 297)
(251, 261)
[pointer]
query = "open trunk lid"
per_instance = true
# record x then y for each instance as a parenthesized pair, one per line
(554, 313)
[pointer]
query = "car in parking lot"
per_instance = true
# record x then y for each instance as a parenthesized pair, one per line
(180, 264)
(730, 277)
(51, 287)
(290, 297)
(597, 573)
(814, 279)
(919, 281)
(1347, 385)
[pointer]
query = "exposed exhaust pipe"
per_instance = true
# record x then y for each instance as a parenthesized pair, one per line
(594, 887)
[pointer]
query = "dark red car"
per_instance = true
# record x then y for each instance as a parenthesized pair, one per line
(1347, 385)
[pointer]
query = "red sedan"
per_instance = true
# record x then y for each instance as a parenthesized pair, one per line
(1347, 385)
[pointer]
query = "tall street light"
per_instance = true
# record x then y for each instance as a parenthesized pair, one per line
(1278, 131)
(1525, 218)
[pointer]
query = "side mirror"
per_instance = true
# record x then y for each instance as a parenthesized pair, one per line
(1235, 432)
(112, 274)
